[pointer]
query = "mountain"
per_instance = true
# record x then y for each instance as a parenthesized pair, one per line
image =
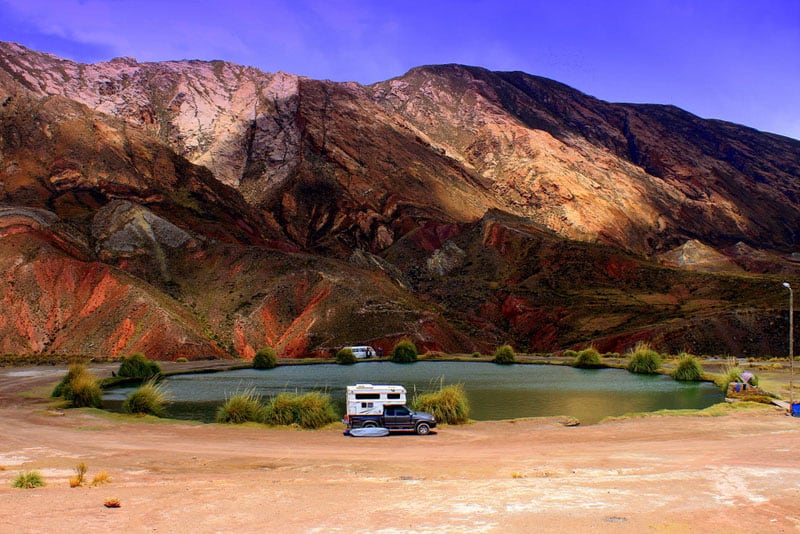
(457, 206)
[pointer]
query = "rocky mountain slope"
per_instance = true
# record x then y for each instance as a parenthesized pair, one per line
(461, 207)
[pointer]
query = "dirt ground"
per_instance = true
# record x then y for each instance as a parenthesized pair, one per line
(735, 473)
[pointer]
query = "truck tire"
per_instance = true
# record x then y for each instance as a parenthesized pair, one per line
(369, 424)
(423, 429)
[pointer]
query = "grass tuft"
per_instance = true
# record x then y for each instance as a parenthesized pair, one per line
(688, 369)
(310, 410)
(28, 480)
(504, 355)
(345, 357)
(138, 366)
(404, 352)
(448, 405)
(100, 478)
(588, 359)
(265, 359)
(644, 360)
(243, 407)
(149, 399)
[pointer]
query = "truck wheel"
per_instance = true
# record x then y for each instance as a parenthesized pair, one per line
(369, 424)
(423, 429)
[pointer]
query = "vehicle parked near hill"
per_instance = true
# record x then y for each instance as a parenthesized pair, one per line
(362, 351)
(383, 406)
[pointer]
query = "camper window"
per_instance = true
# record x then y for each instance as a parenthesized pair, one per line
(362, 396)
(392, 395)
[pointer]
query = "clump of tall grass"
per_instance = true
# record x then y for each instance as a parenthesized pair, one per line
(309, 410)
(504, 355)
(345, 356)
(265, 358)
(404, 352)
(149, 399)
(588, 359)
(28, 480)
(80, 473)
(448, 405)
(80, 388)
(242, 407)
(688, 368)
(74, 370)
(101, 478)
(644, 360)
(138, 366)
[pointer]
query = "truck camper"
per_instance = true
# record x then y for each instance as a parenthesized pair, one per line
(374, 406)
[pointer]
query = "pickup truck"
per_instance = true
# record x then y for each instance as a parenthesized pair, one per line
(383, 406)
(394, 418)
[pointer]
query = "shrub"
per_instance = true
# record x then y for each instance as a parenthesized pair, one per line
(404, 352)
(476, 354)
(280, 410)
(265, 359)
(182, 359)
(74, 370)
(80, 472)
(314, 410)
(84, 391)
(504, 355)
(588, 359)
(688, 369)
(448, 405)
(644, 360)
(28, 480)
(569, 353)
(100, 478)
(345, 356)
(148, 399)
(310, 410)
(138, 366)
(243, 407)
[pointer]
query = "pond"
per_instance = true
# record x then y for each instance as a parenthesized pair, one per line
(494, 391)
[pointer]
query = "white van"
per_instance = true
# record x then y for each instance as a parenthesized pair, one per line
(362, 351)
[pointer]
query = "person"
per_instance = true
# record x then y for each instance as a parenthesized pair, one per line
(746, 378)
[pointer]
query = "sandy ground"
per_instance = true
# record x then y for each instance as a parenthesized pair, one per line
(736, 473)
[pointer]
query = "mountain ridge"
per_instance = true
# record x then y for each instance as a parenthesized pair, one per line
(378, 208)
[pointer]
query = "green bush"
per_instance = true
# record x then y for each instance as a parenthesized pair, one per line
(569, 353)
(265, 359)
(310, 410)
(588, 359)
(242, 407)
(476, 354)
(688, 369)
(74, 370)
(280, 410)
(404, 352)
(80, 388)
(148, 399)
(28, 480)
(345, 357)
(448, 405)
(504, 355)
(644, 360)
(314, 410)
(138, 366)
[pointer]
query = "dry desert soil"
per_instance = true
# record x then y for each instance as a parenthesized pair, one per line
(739, 472)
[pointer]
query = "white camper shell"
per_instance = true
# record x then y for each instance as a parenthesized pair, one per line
(369, 399)
(362, 351)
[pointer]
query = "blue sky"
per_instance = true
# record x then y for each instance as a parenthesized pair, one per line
(736, 60)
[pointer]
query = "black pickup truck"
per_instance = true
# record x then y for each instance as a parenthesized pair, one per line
(394, 418)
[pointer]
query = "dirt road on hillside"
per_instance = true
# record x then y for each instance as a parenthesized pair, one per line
(736, 473)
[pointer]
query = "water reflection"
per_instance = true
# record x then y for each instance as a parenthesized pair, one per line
(494, 391)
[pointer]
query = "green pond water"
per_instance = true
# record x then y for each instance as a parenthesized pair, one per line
(494, 391)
